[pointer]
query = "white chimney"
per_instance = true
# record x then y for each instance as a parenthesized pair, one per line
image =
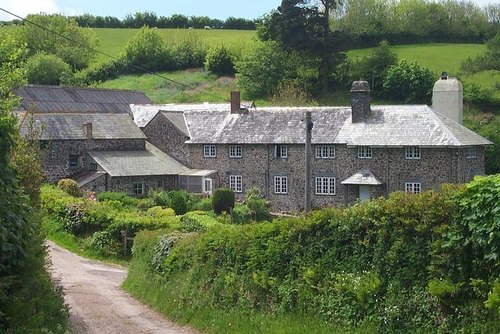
(448, 97)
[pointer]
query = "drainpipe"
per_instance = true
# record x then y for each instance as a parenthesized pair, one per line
(267, 172)
(307, 184)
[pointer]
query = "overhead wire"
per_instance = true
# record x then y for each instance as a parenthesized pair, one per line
(137, 67)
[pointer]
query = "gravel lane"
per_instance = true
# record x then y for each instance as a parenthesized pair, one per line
(97, 303)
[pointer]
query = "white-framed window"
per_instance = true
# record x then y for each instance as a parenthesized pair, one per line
(235, 151)
(280, 185)
(138, 188)
(73, 160)
(281, 151)
(364, 152)
(413, 187)
(412, 152)
(325, 185)
(209, 151)
(325, 151)
(470, 152)
(235, 183)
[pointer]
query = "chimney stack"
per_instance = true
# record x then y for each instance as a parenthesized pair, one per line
(447, 98)
(88, 131)
(235, 102)
(360, 101)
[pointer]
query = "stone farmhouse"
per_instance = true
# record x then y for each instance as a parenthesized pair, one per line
(354, 153)
(357, 153)
(89, 135)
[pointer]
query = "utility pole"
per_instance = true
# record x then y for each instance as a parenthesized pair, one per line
(307, 197)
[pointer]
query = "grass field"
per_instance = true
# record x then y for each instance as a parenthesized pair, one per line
(113, 41)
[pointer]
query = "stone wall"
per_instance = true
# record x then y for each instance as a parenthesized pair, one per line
(258, 167)
(126, 184)
(168, 138)
(57, 153)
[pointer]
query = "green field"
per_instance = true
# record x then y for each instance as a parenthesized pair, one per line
(113, 41)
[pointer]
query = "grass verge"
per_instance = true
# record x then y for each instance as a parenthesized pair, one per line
(166, 297)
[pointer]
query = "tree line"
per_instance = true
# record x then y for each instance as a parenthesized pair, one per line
(150, 19)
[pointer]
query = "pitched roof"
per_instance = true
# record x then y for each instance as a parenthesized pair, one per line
(398, 125)
(151, 161)
(364, 177)
(41, 98)
(72, 126)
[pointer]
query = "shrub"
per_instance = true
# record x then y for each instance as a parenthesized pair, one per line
(181, 201)
(258, 206)
(223, 200)
(197, 222)
(409, 83)
(46, 69)
(147, 50)
(117, 196)
(219, 61)
(159, 212)
(190, 52)
(70, 186)
(160, 197)
(105, 244)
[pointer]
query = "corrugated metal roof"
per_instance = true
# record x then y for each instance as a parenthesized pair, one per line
(41, 98)
(72, 126)
(399, 125)
(151, 161)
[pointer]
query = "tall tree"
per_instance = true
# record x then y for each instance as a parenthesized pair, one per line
(60, 36)
(304, 26)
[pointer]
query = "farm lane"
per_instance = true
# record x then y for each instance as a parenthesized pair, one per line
(97, 303)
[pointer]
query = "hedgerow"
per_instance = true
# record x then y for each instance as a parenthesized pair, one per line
(397, 265)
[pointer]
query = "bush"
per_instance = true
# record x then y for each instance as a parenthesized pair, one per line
(117, 196)
(147, 50)
(105, 244)
(70, 186)
(159, 212)
(409, 83)
(190, 52)
(197, 222)
(219, 61)
(223, 200)
(46, 69)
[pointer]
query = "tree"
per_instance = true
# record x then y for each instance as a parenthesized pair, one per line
(304, 26)
(147, 50)
(489, 60)
(261, 69)
(409, 83)
(219, 61)
(46, 69)
(374, 66)
(59, 36)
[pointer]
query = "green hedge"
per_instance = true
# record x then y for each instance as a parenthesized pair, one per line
(391, 264)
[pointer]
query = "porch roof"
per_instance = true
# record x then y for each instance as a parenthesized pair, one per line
(364, 178)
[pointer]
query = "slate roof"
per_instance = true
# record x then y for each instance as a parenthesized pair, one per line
(57, 126)
(42, 98)
(364, 177)
(405, 125)
(151, 161)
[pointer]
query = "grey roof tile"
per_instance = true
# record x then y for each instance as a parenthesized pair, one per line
(151, 161)
(43, 98)
(57, 126)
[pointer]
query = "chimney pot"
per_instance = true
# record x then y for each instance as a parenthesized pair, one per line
(360, 101)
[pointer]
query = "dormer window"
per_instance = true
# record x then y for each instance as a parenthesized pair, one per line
(412, 152)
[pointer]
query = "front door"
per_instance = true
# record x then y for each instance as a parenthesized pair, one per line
(207, 186)
(364, 193)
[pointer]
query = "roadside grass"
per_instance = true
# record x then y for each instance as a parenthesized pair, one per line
(167, 298)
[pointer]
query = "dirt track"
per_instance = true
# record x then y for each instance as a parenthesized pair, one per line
(97, 303)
